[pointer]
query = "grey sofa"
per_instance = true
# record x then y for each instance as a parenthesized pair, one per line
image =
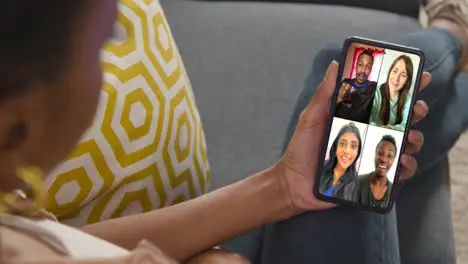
(247, 62)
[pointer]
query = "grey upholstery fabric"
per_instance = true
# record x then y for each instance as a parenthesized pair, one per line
(403, 7)
(247, 63)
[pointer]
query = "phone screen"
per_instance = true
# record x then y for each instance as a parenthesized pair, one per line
(369, 124)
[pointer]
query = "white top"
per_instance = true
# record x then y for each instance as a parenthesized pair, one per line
(80, 245)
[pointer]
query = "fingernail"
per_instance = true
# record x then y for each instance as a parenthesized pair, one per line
(422, 103)
(416, 136)
(147, 244)
(328, 69)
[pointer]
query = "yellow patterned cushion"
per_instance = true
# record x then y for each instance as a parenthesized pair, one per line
(146, 148)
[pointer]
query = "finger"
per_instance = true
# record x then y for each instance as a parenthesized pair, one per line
(145, 244)
(146, 249)
(322, 205)
(420, 110)
(409, 166)
(425, 80)
(414, 143)
(317, 111)
(326, 89)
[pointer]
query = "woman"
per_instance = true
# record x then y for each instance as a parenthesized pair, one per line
(48, 97)
(373, 188)
(339, 175)
(391, 101)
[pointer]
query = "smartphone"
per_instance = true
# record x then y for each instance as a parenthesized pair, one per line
(370, 116)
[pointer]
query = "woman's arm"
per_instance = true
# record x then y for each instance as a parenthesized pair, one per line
(188, 228)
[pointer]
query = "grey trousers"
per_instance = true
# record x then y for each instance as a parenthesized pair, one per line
(419, 228)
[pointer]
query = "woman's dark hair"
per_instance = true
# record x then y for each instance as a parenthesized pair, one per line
(332, 159)
(384, 114)
(35, 40)
(387, 138)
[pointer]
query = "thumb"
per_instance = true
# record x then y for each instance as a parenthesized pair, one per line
(319, 104)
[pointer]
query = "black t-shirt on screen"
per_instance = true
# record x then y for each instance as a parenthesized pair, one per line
(357, 105)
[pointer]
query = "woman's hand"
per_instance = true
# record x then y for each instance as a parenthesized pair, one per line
(298, 167)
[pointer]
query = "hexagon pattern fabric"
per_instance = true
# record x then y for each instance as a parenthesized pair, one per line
(146, 148)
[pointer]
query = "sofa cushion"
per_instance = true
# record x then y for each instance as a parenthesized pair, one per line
(146, 147)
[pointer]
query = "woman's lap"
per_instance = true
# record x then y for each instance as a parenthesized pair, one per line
(349, 235)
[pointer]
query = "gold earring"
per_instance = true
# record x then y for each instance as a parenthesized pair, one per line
(27, 202)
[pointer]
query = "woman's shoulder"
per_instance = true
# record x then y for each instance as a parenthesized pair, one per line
(59, 239)
(23, 239)
(81, 244)
(19, 246)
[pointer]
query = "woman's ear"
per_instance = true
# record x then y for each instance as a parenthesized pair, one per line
(15, 114)
(14, 135)
(22, 125)
(12, 139)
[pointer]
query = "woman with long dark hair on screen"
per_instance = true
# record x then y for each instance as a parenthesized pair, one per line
(339, 174)
(392, 101)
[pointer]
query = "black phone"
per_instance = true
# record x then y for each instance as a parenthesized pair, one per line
(370, 117)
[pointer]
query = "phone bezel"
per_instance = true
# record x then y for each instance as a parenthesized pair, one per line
(342, 59)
